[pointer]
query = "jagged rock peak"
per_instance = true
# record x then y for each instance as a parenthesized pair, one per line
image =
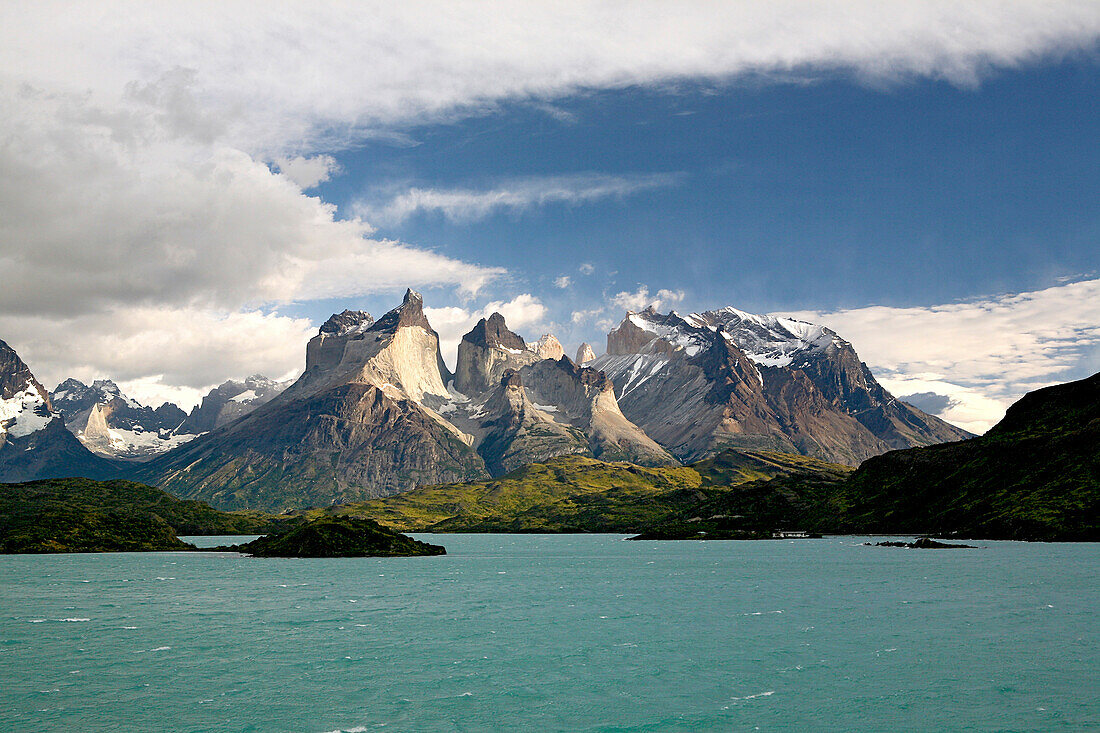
(25, 405)
(585, 353)
(16, 377)
(106, 388)
(650, 332)
(409, 313)
(346, 322)
(70, 385)
(548, 347)
(586, 376)
(493, 332)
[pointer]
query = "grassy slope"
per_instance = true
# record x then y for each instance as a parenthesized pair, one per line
(576, 494)
(83, 515)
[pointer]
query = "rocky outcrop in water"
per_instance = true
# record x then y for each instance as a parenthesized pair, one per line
(338, 537)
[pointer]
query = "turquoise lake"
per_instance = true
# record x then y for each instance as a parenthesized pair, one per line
(570, 633)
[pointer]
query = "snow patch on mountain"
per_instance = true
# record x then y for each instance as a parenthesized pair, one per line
(672, 333)
(24, 413)
(767, 340)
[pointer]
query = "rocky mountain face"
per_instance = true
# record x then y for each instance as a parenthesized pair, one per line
(585, 353)
(548, 347)
(34, 443)
(24, 404)
(486, 352)
(112, 425)
(518, 407)
(358, 423)
(229, 401)
(726, 378)
(376, 412)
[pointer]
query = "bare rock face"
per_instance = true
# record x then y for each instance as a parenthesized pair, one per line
(585, 353)
(521, 408)
(486, 352)
(706, 381)
(361, 422)
(548, 347)
(399, 353)
(348, 443)
(324, 351)
(519, 433)
(232, 400)
(585, 398)
(112, 425)
(25, 405)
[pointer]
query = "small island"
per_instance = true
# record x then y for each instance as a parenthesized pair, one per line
(339, 536)
(923, 543)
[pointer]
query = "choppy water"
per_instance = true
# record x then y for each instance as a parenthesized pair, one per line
(557, 633)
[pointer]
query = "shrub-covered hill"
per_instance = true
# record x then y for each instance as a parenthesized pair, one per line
(578, 494)
(338, 537)
(83, 515)
(1034, 476)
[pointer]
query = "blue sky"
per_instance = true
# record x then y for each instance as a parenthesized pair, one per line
(824, 194)
(187, 191)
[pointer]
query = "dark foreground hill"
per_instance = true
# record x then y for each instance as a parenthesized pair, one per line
(338, 537)
(82, 515)
(1034, 476)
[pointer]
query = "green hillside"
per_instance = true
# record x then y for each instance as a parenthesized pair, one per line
(1036, 475)
(83, 515)
(577, 494)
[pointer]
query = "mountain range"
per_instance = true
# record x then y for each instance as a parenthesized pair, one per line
(377, 411)
(112, 425)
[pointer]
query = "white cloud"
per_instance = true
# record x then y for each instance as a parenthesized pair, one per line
(563, 282)
(99, 211)
(982, 354)
(297, 72)
(586, 268)
(641, 299)
(308, 172)
(134, 135)
(466, 205)
(159, 353)
(522, 312)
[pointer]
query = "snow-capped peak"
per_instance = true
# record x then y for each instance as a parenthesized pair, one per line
(768, 340)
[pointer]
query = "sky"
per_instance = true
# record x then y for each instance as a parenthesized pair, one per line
(188, 190)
